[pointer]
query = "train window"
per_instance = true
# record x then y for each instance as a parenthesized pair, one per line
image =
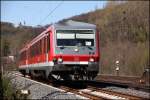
(40, 47)
(23, 55)
(75, 37)
(43, 45)
(34, 49)
(48, 43)
(28, 53)
(31, 51)
(37, 48)
(45, 50)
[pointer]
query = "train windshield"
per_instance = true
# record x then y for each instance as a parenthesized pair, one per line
(75, 37)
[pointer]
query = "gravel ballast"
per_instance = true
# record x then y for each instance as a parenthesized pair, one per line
(39, 90)
(129, 91)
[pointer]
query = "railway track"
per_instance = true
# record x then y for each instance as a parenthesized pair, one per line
(96, 93)
(123, 81)
(113, 94)
(104, 83)
(99, 94)
(90, 92)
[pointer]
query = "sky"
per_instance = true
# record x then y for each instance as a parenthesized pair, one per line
(35, 13)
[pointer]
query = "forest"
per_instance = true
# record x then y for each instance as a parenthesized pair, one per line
(124, 36)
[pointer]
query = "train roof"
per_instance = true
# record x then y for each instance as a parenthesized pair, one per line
(70, 24)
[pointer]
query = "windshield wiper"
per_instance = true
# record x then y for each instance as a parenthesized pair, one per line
(90, 47)
(62, 47)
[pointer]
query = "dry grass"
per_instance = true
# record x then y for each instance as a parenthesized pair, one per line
(133, 58)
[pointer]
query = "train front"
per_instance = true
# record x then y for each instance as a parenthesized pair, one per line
(76, 51)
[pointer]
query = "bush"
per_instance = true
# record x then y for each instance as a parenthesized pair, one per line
(6, 88)
(10, 92)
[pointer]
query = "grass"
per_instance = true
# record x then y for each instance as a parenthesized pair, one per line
(9, 92)
(133, 58)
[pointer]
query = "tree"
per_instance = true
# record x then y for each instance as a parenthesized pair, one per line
(6, 48)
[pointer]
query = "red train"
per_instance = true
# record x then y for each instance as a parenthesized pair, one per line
(68, 50)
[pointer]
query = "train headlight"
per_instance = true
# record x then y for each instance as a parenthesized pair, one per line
(91, 60)
(60, 60)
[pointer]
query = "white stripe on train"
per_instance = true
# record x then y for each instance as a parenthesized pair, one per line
(52, 64)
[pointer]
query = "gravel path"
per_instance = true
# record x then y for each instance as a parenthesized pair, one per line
(40, 91)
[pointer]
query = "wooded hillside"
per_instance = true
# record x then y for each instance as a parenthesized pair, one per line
(120, 21)
(124, 36)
